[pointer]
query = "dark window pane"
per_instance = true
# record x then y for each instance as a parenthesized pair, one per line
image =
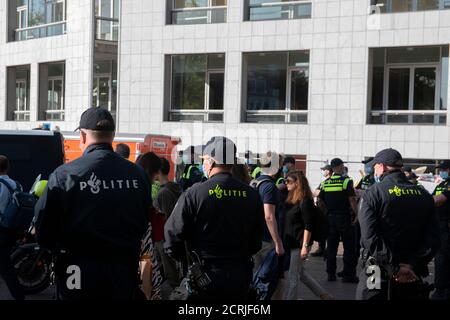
(413, 55)
(377, 88)
(424, 88)
(399, 89)
(299, 89)
(216, 85)
(298, 58)
(188, 82)
(216, 61)
(428, 4)
(444, 79)
(256, 118)
(266, 81)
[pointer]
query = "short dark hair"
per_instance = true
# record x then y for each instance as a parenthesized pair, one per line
(102, 135)
(123, 150)
(290, 160)
(4, 164)
(165, 166)
(150, 162)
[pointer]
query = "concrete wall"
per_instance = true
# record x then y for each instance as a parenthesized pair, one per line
(338, 38)
(74, 48)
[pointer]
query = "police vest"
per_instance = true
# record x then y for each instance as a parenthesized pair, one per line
(443, 186)
(279, 182)
(256, 172)
(187, 174)
(335, 184)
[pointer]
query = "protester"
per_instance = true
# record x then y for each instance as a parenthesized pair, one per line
(300, 220)
(123, 150)
(8, 237)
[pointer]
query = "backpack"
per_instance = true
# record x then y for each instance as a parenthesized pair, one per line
(255, 183)
(321, 226)
(266, 278)
(19, 211)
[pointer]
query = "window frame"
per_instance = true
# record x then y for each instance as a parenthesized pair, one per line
(208, 9)
(410, 112)
(22, 34)
(287, 112)
(206, 111)
(114, 22)
(275, 3)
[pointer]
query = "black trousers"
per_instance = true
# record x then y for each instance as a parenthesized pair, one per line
(7, 272)
(341, 228)
(100, 280)
(229, 281)
(442, 259)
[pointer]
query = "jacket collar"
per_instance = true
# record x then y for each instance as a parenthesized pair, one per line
(395, 175)
(99, 146)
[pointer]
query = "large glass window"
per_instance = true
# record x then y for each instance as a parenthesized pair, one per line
(409, 85)
(52, 91)
(105, 85)
(198, 11)
(107, 14)
(197, 87)
(411, 5)
(39, 18)
(277, 10)
(277, 86)
(18, 93)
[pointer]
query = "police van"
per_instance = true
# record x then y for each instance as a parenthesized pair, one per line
(32, 153)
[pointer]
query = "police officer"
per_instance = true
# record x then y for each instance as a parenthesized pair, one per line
(338, 196)
(192, 173)
(442, 260)
(368, 180)
(222, 221)
(399, 233)
(93, 215)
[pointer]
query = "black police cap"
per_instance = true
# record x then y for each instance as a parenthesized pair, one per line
(389, 157)
(97, 119)
(336, 162)
(221, 149)
(444, 165)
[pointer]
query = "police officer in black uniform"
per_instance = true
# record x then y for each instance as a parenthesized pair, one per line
(221, 220)
(442, 260)
(93, 216)
(191, 173)
(399, 233)
(338, 196)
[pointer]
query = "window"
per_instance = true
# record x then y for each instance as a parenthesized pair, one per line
(18, 93)
(277, 10)
(197, 87)
(409, 85)
(51, 91)
(38, 19)
(105, 85)
(277, 86)
(107, 14)
(390, 6)
(197, 11)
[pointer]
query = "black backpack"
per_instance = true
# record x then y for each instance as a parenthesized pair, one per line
(321, 228)
(19, 211)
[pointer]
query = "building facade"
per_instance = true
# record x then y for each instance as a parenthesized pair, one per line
(316, 79)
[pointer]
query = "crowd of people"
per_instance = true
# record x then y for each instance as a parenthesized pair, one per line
(210, 233)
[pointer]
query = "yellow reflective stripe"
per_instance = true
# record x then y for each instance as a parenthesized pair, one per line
(334, 184)
(346, 182)
(279, 181)
(333, 189)
(188, 174)
(255, 172)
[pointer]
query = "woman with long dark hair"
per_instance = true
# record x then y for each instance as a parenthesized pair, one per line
(300, 219)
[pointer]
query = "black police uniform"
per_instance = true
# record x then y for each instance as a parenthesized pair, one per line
(94, 214)
(191, 175)
(398, 226)
(222, 220)
(442, 260)
(335, 193)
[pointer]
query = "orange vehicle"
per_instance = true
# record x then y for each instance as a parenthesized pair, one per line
(163, 146)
